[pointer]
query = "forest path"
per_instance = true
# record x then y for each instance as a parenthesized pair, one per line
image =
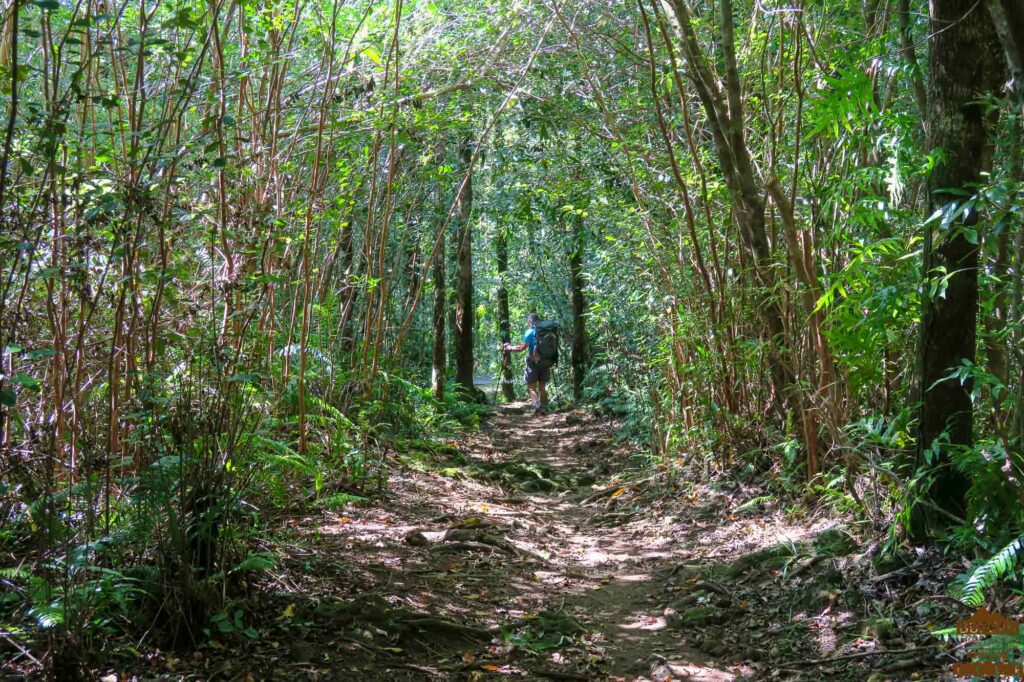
(603, 560)
(541, 548)
(519, 553)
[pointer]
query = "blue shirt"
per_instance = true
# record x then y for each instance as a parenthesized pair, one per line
(530, 338)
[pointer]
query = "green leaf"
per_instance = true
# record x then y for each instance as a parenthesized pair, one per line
(22, 379)
(987, 574)
(373, 54)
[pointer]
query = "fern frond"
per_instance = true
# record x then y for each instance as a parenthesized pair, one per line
(257, 561)
(332, 412)
(989, 573)
(47, 615)
(14, 573)
(278, 453)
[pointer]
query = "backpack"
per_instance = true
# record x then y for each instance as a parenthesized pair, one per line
(546, 346)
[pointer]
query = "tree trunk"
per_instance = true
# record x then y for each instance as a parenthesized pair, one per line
(1015, 307)
(504, 326)
(350, 292)
(724, 109)
(910, 58)
(579, 327)
(966, 65)
(996, 348)
(464, 280)
(439, 357)
(1008, 19)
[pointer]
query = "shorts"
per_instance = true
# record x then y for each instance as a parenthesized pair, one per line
(535, 373)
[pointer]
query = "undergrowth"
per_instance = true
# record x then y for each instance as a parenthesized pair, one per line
(161, 544)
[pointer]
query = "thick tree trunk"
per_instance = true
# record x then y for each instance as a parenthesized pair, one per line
(579, 308)
(439, 356)
(464, 280)
(1015, 307)
(966, 65)
(504, 326)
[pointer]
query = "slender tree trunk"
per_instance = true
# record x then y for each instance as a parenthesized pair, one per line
(995, 322)
(464, 280)
(722, 102)
(909, 54)
(579, 327)
(966, 65)
(1008, 19)
(439, 357)
(504, 327)
(1016, 430)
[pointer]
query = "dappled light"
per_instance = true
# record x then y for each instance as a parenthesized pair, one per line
(474, 340)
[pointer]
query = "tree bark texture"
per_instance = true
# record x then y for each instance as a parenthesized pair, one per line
(439, 355)
(966, 65)
(579, 326)
(464, 279)
(504, 325)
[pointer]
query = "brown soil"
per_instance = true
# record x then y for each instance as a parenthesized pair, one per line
(546, 551)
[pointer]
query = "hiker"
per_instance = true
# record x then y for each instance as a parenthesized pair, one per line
(541, 342)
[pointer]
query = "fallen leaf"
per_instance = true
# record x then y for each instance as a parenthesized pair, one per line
(618, 492)
(289, 611)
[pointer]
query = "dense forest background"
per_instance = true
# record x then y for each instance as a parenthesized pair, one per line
(253, 252)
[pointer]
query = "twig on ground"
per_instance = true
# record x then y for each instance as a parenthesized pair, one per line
(866, 654)
(468, 546)
(558, 674)
(943, 598)
(430, 622)
(19, 647)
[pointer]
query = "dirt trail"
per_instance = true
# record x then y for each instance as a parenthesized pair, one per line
(541, 549)
(516, 556)
(604, 557)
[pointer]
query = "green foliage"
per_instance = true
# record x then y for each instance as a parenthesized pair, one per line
(1003, 564)
(215, 276)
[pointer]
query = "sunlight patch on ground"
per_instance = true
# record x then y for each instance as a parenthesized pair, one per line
(634, 578)
(692, 671)
(645, 623)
